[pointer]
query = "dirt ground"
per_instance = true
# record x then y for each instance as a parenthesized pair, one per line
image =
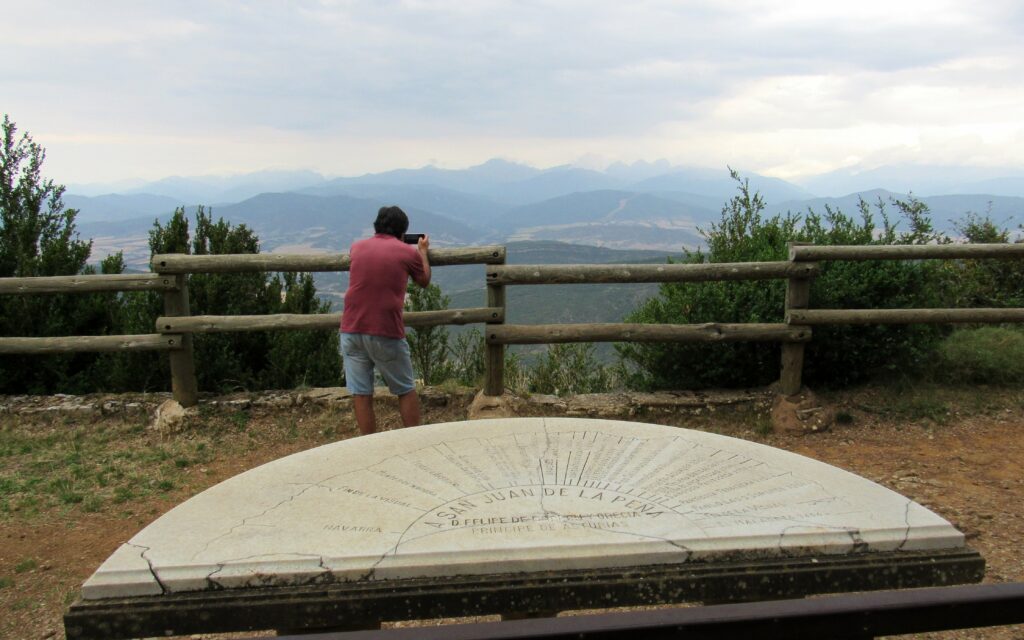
(956, 452)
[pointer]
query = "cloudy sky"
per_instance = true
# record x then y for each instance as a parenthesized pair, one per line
(140, 89)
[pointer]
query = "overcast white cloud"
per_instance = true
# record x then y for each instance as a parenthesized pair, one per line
(148, 89)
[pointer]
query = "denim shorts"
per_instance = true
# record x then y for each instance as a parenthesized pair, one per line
(362, 352)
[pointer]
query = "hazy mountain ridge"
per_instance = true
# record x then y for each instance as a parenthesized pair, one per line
(922, 180)
(473, 210)
(114, 207)
(644, 205)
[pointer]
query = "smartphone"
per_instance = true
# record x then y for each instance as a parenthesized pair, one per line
(412, 238)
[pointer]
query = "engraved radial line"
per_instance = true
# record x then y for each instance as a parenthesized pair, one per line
(568, 461)
(582, 469)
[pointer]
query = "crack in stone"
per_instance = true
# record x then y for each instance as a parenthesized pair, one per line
(212, 583)
(152, 570)
(245, 520)
(681, 547)
(906, 521)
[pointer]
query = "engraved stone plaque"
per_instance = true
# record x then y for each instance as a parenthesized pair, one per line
(507, 496)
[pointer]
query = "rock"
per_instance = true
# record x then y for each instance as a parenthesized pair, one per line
(325, 396)
(448, 395)
(274, 400)
(550, 404)
(801, 413)
(598, 405)
(170, 417)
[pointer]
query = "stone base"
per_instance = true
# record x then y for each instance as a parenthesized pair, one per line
(801, 413)
(365, 605)
(484, 407)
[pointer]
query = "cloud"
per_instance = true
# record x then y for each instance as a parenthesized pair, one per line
(213, 83)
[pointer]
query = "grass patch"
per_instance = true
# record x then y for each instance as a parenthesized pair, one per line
(92, 504)
(84, 465)
(27, 564)
(6, 582)
(88, 466)
(760, 422)
(985, 355)
(240, 420)
(911, 404)
(937, 403)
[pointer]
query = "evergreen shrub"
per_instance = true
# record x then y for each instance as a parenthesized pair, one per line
(836, 356)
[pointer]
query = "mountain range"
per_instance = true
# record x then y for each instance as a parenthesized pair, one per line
(652, 206)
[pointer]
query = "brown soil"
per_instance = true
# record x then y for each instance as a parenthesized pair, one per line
(962, 461)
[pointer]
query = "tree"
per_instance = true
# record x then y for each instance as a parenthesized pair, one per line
(304, 358)
(250, 359)
(37, 234)
(428, 346)
(38, 238)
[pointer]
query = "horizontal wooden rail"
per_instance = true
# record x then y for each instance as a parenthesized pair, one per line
(627, 332)
(901, 316)
(293, 321)
(77, 344)
(809, 253)
(609, 273)
(254, 262)
(88, 283)
(857, 615)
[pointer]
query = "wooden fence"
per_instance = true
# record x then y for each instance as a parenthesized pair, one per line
(176, 327)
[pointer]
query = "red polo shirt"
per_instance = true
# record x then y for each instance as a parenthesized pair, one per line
(378, 277)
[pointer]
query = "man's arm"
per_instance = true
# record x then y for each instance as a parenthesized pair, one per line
(423, 246)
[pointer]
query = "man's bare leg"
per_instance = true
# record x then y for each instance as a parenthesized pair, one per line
(409, 407)
(365, 417)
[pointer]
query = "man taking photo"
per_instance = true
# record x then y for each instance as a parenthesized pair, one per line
(372, 331)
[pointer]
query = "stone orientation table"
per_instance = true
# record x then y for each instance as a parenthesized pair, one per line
(522, 516)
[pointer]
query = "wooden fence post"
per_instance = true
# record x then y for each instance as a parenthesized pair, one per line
(798, 294)
(495, 383)
(183, 368)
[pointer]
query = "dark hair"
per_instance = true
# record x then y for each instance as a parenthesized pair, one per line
(392, 221)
